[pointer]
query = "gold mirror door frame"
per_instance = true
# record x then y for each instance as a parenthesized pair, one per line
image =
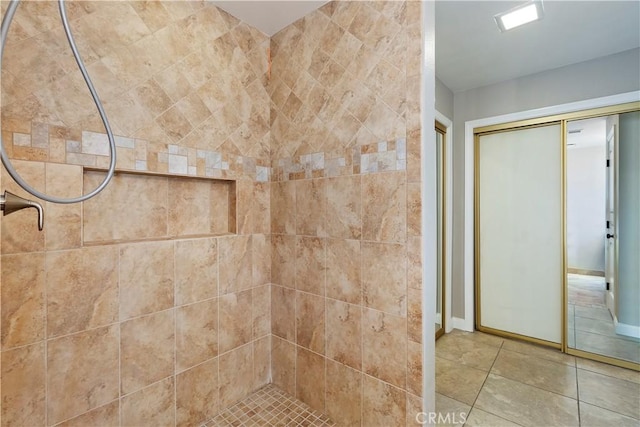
(441, 183)
(519, 245)
(602, 323)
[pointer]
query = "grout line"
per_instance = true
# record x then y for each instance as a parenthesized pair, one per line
(577, 392)
(175, 334)
(487, 377)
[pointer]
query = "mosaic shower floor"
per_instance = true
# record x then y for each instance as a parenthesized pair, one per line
(270, 406)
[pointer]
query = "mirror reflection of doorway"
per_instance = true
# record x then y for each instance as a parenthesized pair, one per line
(603, 223)
(441, 198)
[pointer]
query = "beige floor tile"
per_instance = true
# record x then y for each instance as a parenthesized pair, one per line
(610, 393)
(593, 416)
(539, 351)
(481, 337)
(527, 405)
(610, 370)
(466, 352)
(599, 313)
(450, 412)
(596, 326)
(457, 381)
(545, 374)
(480, 418)
(610, 346)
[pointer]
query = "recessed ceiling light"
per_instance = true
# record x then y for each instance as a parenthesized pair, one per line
(523, 14)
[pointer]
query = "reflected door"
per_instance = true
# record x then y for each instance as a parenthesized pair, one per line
(519, 234)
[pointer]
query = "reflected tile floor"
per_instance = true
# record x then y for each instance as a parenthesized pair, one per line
(591, 326)
(269, 406)
(503, 382)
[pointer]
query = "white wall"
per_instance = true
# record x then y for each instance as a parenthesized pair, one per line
(444, 99)
(586, 186)
(600, 77)
(629, 220)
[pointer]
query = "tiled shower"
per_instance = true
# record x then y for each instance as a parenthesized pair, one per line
(263, 226)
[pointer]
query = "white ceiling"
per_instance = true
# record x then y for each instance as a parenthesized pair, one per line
(470, 50)
(267, 15)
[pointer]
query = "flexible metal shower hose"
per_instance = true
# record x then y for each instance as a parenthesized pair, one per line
(6, 22)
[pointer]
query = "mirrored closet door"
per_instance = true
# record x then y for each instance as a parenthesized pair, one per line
(603, 236)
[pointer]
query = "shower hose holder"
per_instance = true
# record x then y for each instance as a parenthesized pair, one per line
(10, 203)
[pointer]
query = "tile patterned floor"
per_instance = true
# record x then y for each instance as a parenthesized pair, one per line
(500, 382)
(270, 406)
(590, 324)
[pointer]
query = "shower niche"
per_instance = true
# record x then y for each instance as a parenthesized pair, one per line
(148, 206)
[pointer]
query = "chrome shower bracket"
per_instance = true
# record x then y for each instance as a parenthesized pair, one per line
(10, 203)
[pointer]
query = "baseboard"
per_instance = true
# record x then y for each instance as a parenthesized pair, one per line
(626, 329)
(585, 272)
(461, 324)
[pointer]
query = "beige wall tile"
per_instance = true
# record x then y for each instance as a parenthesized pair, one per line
(261, 255)
(344, 207)
(253, 199)
(344, 341)
(197, 394)
(384, 207)
(310, 207)
(74, 384)
(235, 261)
(310, 325)
(196, 269)
(414, 315)
(383, 404)
(283, 306)
(82, 289)
(108, 414)
(198, 206)
(415, 411)
(343, 394)
(146, 350)
(146, 278)
(64, 224)
(262, 361)
(196, 333)
(283, 364)
(384, 277)
(20, 230)
(414, 263)
(236, 322)
(310, 378)
(153, 405)
(413, 155)
(283, 250)
(414, 209)
(23, 301)
(261, 311)
(414, 368)
(343, 270)
(310, 264)
(283, 207)
(107, 216)
(384, 343)
(23, 386)
(236, 375)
